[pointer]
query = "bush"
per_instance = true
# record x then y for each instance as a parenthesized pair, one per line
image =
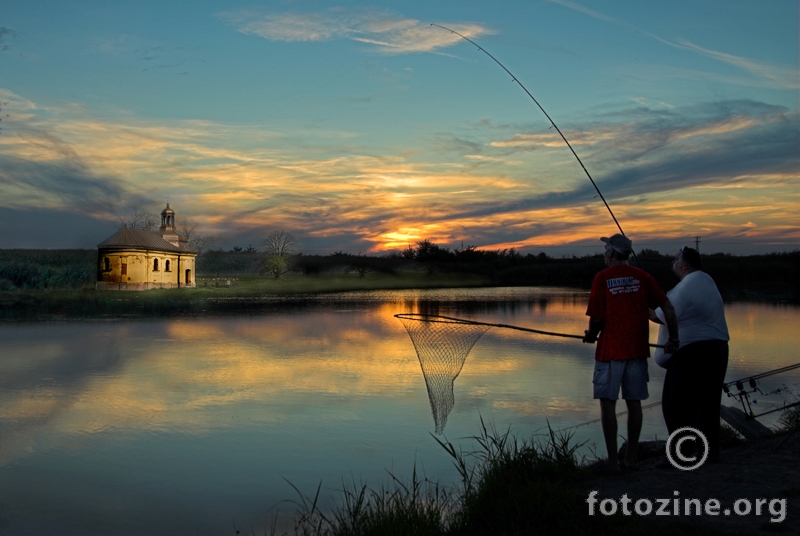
(790, 420)
(46, 269)
(31, 276)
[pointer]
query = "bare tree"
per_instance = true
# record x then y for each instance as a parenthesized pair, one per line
(280, 244)
(199, 243)
(188, 229)
(141, 219)
(279, 247)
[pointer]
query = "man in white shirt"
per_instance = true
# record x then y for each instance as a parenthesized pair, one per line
(692, 391)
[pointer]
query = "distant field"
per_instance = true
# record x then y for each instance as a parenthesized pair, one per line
(208, 297)
(302, 284)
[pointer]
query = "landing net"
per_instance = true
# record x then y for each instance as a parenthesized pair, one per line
(442, 346)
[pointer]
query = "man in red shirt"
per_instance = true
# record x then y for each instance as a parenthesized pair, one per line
(619, 311)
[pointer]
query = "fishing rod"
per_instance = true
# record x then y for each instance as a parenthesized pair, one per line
(743, 395)
(516, 80)
(726, 388)
(762, 375)
(620, 414)
(423, 317)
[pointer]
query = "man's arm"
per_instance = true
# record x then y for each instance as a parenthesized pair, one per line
(672, 325)
(595, 327)
(654, 317)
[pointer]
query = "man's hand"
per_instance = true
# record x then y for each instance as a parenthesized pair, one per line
(595, 327)
(672, 346)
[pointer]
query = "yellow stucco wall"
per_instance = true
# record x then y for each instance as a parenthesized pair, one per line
(141, 274)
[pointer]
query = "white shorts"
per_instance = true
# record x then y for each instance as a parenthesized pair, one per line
(631, 375)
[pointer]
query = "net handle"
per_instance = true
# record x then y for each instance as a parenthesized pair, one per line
(442, 318)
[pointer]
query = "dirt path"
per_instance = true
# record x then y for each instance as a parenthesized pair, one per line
(764, 469)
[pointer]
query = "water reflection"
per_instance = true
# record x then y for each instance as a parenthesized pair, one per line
(180, 425)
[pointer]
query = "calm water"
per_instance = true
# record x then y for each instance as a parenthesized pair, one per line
(194, 426)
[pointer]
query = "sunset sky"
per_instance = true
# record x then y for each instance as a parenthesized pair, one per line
(359, 127)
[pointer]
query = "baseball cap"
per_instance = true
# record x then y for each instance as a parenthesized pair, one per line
(619, 243)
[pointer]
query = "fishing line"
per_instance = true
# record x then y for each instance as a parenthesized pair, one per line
(516, 80)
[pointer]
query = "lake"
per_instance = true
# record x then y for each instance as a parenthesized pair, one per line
(199, 425)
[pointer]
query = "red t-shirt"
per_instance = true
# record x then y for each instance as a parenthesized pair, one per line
(622, 295)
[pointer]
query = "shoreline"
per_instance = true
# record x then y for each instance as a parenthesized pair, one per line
(247, 295)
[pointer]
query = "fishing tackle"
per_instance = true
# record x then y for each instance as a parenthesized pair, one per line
(516, 80)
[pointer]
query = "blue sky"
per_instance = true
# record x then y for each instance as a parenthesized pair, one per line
(362, 128)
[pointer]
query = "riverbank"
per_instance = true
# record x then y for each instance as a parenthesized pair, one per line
(246, 294)
(211, 296)
(511, 486)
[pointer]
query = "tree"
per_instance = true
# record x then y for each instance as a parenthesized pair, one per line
(275, 265)
(361, 264)
(279, 247)
(141, 219)
(647, 253)
(280, 243)
(187, 228)
(198, 242)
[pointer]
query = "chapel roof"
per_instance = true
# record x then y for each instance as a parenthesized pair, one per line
(137, 238)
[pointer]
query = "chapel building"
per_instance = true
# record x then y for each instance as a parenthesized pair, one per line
(133, 259)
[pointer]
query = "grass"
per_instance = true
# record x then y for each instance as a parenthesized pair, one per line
(507, 486)
(790, 419)
(211, 296)
(302, 284)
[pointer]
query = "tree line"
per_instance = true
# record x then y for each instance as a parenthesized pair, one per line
(772, 276)
(768, 276)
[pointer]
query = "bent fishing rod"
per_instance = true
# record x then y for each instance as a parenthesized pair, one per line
(424, 317)
(516, 80)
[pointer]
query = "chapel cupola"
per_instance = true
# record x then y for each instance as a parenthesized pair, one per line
(167, 229)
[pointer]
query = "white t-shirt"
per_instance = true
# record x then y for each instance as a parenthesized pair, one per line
(700, 311)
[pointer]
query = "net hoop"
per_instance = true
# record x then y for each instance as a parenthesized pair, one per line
(422, 317)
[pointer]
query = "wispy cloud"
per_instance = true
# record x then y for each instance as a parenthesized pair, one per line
(585, 10)
(389, 33)
(775, 76)
(769, 75)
